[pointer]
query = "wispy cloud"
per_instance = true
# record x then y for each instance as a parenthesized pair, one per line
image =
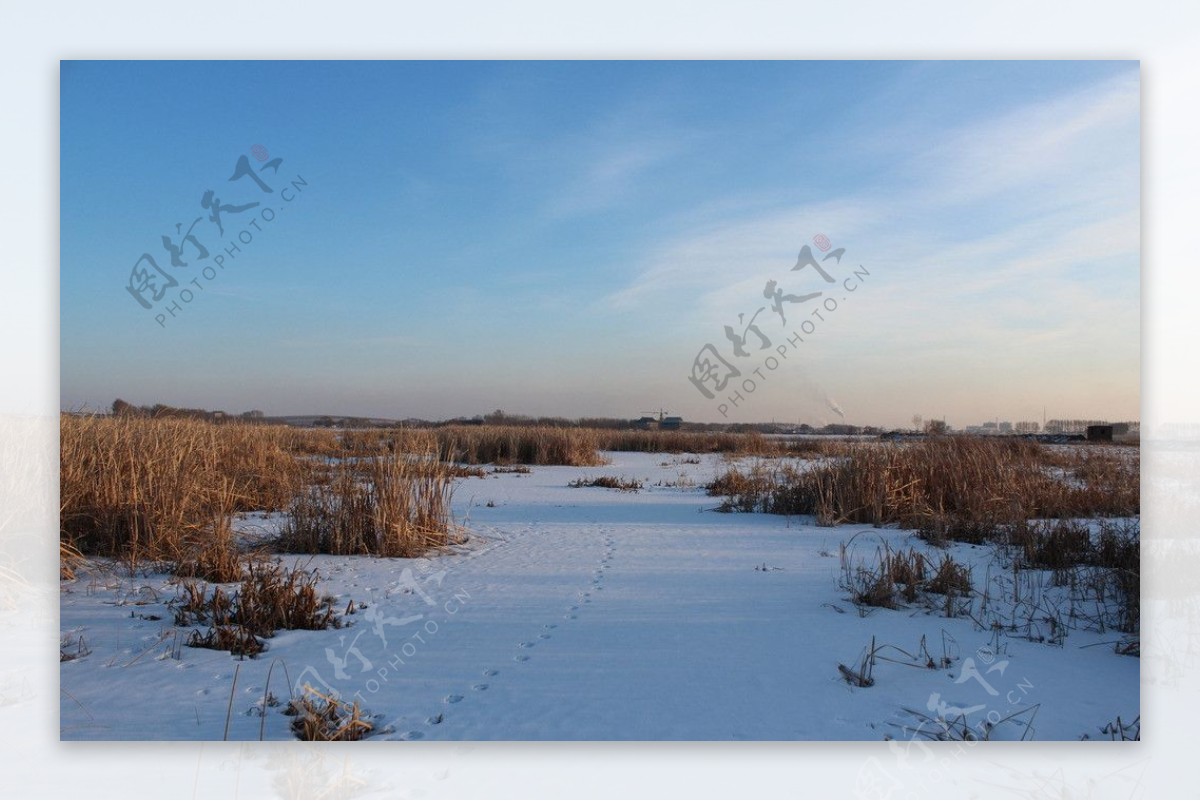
(610, 173)
(1003, 242)
(717, 260)
(1036, 146)
(1051, 191)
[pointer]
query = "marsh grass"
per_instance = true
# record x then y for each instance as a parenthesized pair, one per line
(270, 597)
(899, 577)
(215, 557)
(950, 578)
(506, 445)
(763, 485)
(154, 489)
(70, 561)
(323, 718)
(608, 482)
(1102, 567)
(394, 504)
(165, 491)
(949, 488)
(576, 447)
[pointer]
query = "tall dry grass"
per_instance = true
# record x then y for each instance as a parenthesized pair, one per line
(1099, 565)
(903, 575)
(657, 441)
(158, 489)
(541, 445)
(949, 487)
(754, 487)
(395, 504)
(749, 443)
(271, 597)
(578, 447)
(165, 490)
(323, 718)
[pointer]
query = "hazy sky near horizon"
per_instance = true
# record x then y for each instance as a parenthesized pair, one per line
(564, 238)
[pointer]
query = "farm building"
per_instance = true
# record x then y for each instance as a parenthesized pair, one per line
(649, 423)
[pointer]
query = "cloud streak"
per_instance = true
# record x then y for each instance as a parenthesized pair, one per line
(1015, 231)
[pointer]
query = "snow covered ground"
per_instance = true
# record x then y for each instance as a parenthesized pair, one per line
(589, 613)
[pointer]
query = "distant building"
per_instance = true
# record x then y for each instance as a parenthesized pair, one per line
(1100, 433)
(1027, 427)
(661, 422)
(1006, 427)
(1072, 426)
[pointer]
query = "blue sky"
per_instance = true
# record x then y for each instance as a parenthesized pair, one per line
(565, 237)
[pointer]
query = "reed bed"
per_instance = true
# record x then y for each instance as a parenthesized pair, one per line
(574, 447)
(396, 504)
(533, 445)
(962, 488)
(754, 487)
(159, 489)
(750, 443)
(464, 444)
(1027, 499)
(657, 441)
(165, 490)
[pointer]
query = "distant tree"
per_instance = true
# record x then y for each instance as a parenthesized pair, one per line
(121, 408)
(935, 427)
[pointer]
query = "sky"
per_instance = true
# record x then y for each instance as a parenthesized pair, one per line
(436, 239)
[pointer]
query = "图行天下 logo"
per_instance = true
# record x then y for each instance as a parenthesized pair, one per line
(227, 221)
(716, 377)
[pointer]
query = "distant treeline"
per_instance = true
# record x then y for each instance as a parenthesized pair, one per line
(500, 418)
(121, 408)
